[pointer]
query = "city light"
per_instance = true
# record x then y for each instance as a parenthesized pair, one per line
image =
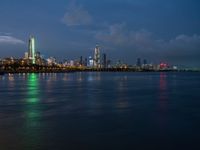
(34, 62)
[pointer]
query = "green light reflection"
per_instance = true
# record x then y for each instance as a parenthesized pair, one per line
(33, 112)
(33, 98)
(33, 90)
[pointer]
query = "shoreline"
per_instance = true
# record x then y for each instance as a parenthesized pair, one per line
(15, 69)
(2, 72)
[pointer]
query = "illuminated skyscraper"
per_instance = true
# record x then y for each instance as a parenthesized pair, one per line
(91, 61)
(31, 51)
(97, 56)
(26, 55)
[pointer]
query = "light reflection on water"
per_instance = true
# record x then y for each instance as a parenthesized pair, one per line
(33, 89)
(11, 80)
(163, 93)
(163, 101)
(119, 109)
(32, 124)
(122, 102)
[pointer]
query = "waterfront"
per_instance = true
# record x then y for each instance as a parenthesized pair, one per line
(100, 111)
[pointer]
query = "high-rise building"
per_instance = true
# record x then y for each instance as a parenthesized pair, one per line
(37, 55)
(81, 60)
(86, 62)
(108, 63)
(138, 62)
(51, 61)
(144, 62)
(91, 61)
(31, 51)
(104, 61)
(26, 55)
(97, 57)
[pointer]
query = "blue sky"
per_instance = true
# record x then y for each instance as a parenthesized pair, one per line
(157, 30)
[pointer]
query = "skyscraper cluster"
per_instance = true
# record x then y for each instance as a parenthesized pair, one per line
(32, 56)
(99, 61)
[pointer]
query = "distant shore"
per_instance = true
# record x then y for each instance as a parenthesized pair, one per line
(79, 69)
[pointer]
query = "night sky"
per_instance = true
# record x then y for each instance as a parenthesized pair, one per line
(157, 30)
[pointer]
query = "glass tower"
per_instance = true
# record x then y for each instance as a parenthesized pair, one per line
(31, 52)
(97, 62)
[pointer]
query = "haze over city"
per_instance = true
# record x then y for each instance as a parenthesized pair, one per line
(156, 30)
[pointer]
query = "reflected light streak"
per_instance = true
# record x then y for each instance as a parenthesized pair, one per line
(94, 76)
(33, 91)
(163, 97)
(32, 112)
(163, 84)
(122, 103)
(11, 77)
(11, 80)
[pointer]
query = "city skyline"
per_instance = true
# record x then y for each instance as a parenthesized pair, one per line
(125, 30)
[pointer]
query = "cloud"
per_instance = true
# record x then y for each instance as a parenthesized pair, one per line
(115, 35)
(186, 42)
(5, 33)
(184, 46)
(76, 15)
(118, 35)
(5, 39)
(144, 43)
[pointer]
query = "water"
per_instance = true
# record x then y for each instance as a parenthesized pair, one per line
(100, 111)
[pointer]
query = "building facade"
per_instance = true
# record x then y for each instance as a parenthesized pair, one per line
(97, 57)
(31, 51)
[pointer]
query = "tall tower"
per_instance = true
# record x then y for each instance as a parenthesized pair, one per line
(104, 61)
(31, 51)
(138, 62)
(97, 56)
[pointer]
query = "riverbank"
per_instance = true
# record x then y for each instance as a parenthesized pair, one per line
(72, 70)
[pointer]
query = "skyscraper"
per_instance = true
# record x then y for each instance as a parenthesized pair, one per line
(31, 51)
(97, 56)
(26, 55)
(81, 61)
(86, 62)
(91, 61)
(145, 62)
(104, 61)
(138, 62)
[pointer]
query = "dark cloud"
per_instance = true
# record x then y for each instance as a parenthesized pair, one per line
(144, 43)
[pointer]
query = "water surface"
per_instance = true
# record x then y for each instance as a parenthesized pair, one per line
(100, 111)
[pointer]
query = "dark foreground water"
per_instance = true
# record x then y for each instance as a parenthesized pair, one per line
(100, 111)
